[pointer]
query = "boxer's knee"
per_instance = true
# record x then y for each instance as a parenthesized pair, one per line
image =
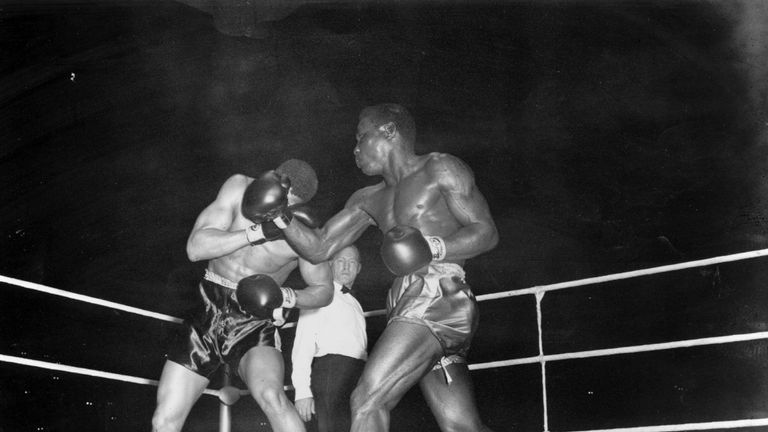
(271, 398)
(163, 421)
(456, 419)
(367, 398)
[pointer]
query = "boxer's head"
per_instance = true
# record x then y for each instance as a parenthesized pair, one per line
(389, 115)
(302, 176)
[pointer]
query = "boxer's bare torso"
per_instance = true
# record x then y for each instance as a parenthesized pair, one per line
(275, 258)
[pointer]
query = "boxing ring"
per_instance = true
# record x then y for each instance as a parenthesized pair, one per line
(228, 395)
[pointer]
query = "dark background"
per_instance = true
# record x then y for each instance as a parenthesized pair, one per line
(606, 136)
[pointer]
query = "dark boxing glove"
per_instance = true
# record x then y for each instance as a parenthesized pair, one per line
(260, 296)
(270, 230)
(405, 250)
(266, 197)
(305, 214)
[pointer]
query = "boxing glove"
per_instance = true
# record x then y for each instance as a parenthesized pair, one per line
(305, 214)
(270, 230)
(262, 233)
(260, 296)
(266, 197)
(405, 250)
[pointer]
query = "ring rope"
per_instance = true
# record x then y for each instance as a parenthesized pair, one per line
(98, 301)
(611, 277)
(88, 299)
(716, 340)
(728, 424)
(84, 371)
(99, 374)
(626, 275)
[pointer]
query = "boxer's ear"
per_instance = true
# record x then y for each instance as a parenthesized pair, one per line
(389, 129)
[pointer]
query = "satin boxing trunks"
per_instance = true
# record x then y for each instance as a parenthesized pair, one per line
(440, 300)
(219, 331)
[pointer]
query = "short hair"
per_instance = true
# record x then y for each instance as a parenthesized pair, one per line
(397, 114)
(353, 247)
(303, 178)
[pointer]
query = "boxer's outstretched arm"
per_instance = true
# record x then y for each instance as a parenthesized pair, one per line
(210, 237)
(340, 231)
(478, 233)
(319, 290)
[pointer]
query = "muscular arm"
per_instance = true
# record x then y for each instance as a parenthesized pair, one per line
(340, 231)
(210, 237)
(319, 290)
(478, 233)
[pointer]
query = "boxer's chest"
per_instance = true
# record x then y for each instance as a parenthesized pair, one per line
(414, 201)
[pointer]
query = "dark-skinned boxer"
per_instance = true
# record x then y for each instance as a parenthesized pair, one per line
(241, 295)
(434, 219)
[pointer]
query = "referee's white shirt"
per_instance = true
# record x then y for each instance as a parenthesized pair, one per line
(338, 328)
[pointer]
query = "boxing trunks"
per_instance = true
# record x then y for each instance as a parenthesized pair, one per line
(219, 331)
(439, 299)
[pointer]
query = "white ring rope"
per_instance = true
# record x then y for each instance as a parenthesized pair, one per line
(97, 301)
(84, 371)
(623, 350)
(611, 277)
(730, 424)
(87, 299)
(539, 291)
(626, 275)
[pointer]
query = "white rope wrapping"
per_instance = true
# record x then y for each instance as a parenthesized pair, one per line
(539, 298)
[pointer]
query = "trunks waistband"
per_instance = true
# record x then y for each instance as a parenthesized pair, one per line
(219, 280)
(440, 269)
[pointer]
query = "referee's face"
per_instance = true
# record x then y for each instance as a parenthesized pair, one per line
(346, 266)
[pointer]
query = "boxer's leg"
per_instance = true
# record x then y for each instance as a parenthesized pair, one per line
(262, 370)
(177, 392)
(402, 355)
(453, 405)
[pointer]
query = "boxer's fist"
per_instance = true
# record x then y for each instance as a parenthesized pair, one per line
(273, 229)
(266, 197)
(405, 250)
(262, 233)
(260, 296)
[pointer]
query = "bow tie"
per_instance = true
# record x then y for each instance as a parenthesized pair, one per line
(345, 290)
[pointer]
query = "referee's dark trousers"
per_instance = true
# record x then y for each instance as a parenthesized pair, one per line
(333, 379)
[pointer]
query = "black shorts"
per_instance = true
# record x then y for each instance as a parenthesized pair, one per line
(220, 332)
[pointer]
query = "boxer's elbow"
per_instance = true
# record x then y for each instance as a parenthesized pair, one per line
(326, 297)
(493, 237)
(193, 256)
(316, 253)
(317, 256)
(321, 296)
(194, 251)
